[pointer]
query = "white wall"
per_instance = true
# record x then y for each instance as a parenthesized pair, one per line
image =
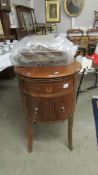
(21, 2)
(31, 3)
(39, 6)
(84, 20)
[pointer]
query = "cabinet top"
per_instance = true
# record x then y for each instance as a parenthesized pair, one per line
(49, 72)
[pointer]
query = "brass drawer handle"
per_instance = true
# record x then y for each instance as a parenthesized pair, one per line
(49, 89)
(36, 110)
(63, 109)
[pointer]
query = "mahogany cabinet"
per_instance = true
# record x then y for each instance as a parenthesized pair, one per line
(48, 95)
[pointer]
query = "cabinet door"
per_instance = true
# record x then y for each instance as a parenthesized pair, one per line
(37, 108)
(62, 107)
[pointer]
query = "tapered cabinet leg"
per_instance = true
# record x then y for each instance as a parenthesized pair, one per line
(30, 136)
(70, 127)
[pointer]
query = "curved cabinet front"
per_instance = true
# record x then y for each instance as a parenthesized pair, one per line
(48, 100)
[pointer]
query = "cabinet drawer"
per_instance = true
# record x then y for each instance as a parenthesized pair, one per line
(37, 108)
(48, 87)
(62, 107)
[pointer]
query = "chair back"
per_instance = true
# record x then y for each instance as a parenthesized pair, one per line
(75, 35)
(92, 35)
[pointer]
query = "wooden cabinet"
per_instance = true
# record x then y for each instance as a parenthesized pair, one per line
(48, 95)
(48, 100)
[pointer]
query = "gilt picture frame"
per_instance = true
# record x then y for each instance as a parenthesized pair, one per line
(52, 11)
(73, 8)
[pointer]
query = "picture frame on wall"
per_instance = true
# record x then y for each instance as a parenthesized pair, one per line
(25, 18)
(52, 11)
(27, 21)
(73, 8)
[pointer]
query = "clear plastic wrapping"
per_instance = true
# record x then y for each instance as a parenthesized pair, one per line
(43, 51)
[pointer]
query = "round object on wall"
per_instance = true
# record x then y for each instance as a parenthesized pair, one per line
(73, 7)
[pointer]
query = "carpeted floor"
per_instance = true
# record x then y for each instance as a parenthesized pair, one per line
(50, 154)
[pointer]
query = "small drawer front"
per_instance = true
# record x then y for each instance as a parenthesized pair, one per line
(62, 107)
(48, 87)
(37, 108)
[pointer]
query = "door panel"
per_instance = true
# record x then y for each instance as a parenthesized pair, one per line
(37, 108)
(62, 107)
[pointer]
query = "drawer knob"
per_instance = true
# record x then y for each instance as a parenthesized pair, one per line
(62, 109)
(36, 110)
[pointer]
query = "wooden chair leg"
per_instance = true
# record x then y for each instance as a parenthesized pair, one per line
(70, 126)
(30, 136)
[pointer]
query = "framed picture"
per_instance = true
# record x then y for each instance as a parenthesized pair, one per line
(52, 11)
(27, 21)
(73, 7)
(25, 18)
